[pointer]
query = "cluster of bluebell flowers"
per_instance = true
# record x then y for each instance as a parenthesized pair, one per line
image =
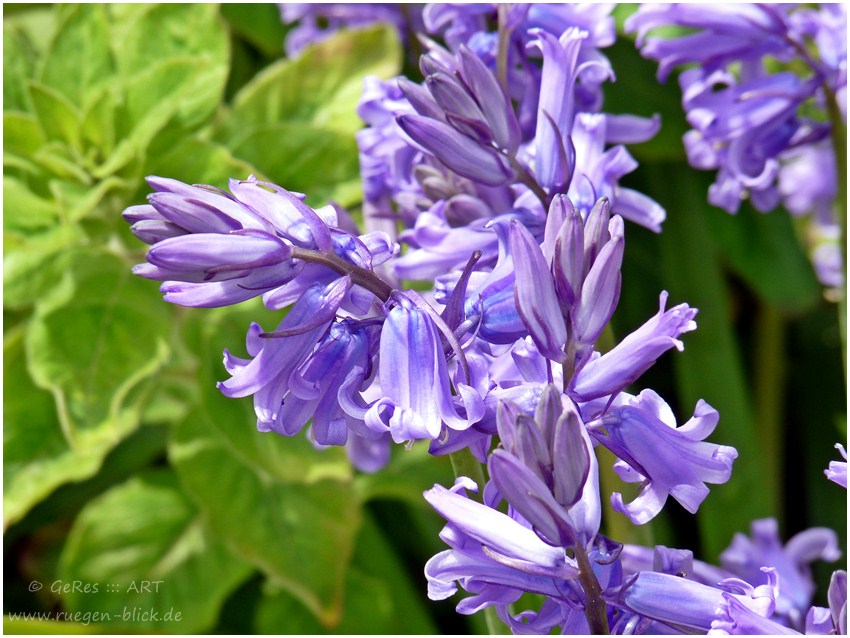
(498, 173)
(765, 91)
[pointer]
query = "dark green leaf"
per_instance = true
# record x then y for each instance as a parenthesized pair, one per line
(259, 24)
(299, 535)
(380, 597)
(711, 367)
(764, 251)
(407, 476)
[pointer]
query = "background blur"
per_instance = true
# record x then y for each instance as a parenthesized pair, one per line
(126, 470)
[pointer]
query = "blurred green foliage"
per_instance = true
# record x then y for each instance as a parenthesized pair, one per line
(124, 464)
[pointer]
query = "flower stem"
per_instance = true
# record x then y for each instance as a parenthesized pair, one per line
(839, 147)
(769, 375)
(504, 43)
(360, 276)
(594, 604)
(525, 177)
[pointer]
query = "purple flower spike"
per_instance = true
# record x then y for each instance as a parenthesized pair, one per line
(536, 299)
(547, 470)
(213, 257)
(416, 396)
(667, 460)
(209, 270)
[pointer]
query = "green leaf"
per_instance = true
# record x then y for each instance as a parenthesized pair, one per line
(84, 346)
(148, 549)
(141, 449)
(98, 125)
(299, 535)
(77, 201)
(58, 117)
(379, 597)
(320, 87)
(197, 161)
(57, 158)
(34, 265)
(288, 509)
(187, 88)
(145, 35)
(259, 24)
(711, 366)
(298, 156)
(409, 473)
(78, 59)
(19, 60)
(18, 626)
(22, 134)
(23, 210)
(36, 456)
(764, 251)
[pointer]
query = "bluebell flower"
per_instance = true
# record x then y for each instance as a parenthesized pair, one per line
(416, 398)
(837, 596)
(746, 556)
(665, 459)
(837, 470)
(547, 470)
(735, 618)
(266, 375)
(560, 298)
(682, 603)
(612, 372)
(490, 548)
(208, 270)
(496, 557)
(213, 248)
